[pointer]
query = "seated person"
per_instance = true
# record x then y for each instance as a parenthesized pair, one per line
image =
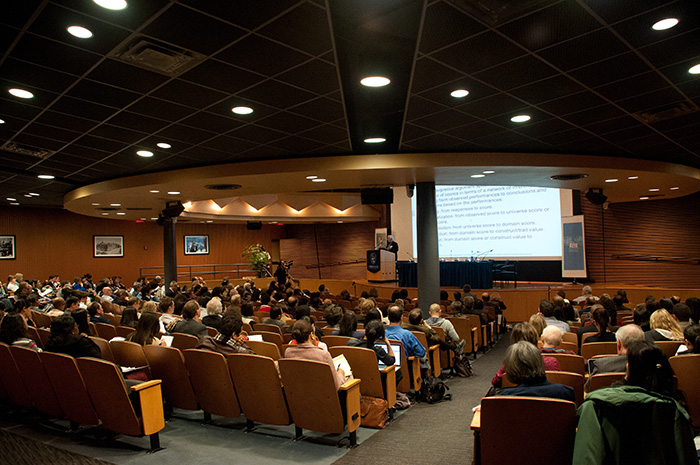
(618, 364)
(13, 332)
(416, 323)
(691, 345)
(641, 317)
(348, 326)
(65, 339)
(130, 317)
(374, 333)
(525, 332)
(190, 323)
(230, 339)
(333, 314)
(551, 338)
(639, 422)
(275, 317)
(411, 345)
(147, 331)
(82, 321)
(213, 318)
(306, 348)
(167, 308)
(96, 313)
(448, 328)
(663, 327)
(247, 312)
(601, 320)
(525, 367)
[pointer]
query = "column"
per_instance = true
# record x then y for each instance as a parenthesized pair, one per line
(169, 251)
(426, 237)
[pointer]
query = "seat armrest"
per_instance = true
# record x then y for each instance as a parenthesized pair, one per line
(151, 400)
(388, 375)
(352, 404)
(145, 385)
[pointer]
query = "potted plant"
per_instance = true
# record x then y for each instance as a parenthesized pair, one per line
(258, 258)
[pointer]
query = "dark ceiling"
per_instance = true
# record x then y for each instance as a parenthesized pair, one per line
(593, 75)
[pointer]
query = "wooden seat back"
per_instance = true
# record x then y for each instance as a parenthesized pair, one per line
(272, 328)
(604, 380)
(67, 383)
(509, 420)
(432, 352)
(124, 331)
(258, 388)
(328, 331)
(589, 349)
(275, 338)
(575, 380)
(106, 331)
(570, 337)
(33, 334)
(464, 330)
(114, 320)
(168, 365)
(266, 349)
(475, 322)
(184, 341)
(324, 414)
(669, 348)
(12, 379)
(105, 348)
(364, 365)
(411, 370)
(445, 354)
(44, 335)
(110, 396)
(130, 354)
(332, 341)
(570, 363)
(36, 381)
(42, 320)
(247, 328)
(687, 370)
(212, 382)
(261, 315)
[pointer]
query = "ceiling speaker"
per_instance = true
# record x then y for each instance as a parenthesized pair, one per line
(253, 225)
(377, 195)
(595, 196)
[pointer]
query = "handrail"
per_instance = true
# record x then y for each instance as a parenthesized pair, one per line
(214, 271)
(347, 262)
(655, 258)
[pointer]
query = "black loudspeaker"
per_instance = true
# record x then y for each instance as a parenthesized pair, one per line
(253, 225)
(576, 202)
(173, 209)
(595, 196)
(380, 195)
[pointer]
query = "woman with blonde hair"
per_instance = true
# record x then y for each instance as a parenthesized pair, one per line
(537, 322)
(663, 327)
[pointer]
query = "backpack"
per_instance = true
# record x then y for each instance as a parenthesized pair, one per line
(461, 366)
(433, 390)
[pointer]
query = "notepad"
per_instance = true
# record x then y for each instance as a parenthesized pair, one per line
(255, 337)
(168, 340)
(341, 362)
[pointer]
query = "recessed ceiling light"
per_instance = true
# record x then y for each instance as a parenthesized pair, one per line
(340, 221)
(14, 203)
(694, 70)
(242, 110)
(375, 140)
(313, 176)
(28, 196)
(478, 175)
(80, 32)
(2, 121)
(611, 180)
(121, 213)
(105, 213)
(643, 198)
(632, 178)
(459, 93)
(210, 221)
(143, 219)
(45, 176)
(164, 145)
(654, 189)
(675, 188)
(318, 180)
(375, 81)
(111, 4)
(94, 204)
(34, 194)
(520, 118)
(115, 204)
(667, 23)
(144, 153)
(488, 172)
(11, 199)
(21, 93)
(154, 192)
(174, 192)
(154, 219)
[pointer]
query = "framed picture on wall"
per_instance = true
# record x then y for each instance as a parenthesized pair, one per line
(197, 245)
(7, 247)
(108, 246)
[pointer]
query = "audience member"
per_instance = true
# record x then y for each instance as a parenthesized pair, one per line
(410, 343)
(538, 324)
(691, 341)
(65, 339)
(147, 330)
(681, 313)
(447, 326)
(13, 331)
(230, 339)
(601, 320)
(551, 338)
(130, 317)
(275, 317)
(617, 364)
(547, 311)
(663, 327)
(348, 326)
(190, 323)
(306, 348)
(96, 313)
(214, 309)
(416, 323)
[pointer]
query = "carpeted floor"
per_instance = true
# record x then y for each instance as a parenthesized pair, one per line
(426, 434)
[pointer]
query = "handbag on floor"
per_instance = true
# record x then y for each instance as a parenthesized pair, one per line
(433, 390)
(373, 411)
(461, 366)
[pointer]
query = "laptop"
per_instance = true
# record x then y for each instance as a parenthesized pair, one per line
(397, 355)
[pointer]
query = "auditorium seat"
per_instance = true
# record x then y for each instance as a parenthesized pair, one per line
(332, 341)
(589, 349)
(669, 348)
(105, 348)
(466, 331)
(110, 396)
(124, 331)
(41, 320)
(331, 411)
(168, 365)
(575, 380)
(212, 383)
(259, 389)
(12, 379)
(67, 382)
(411, 370)
(509, 437)
(445, 354)
(687, 370)
(433, 353)
(247, 328)
(33, 334)
(36, 381)
(570, 363)
(184, 341)
(106, 331)
(364, 365)
(44, 335)
(114, 320)
(130, 354)
(266, 349)
(275, 338)
(272, 328)
(603, 380)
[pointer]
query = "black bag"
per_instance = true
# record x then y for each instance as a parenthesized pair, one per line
(461, 366)
(433, 390)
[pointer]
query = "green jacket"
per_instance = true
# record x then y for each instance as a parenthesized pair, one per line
(630, 425)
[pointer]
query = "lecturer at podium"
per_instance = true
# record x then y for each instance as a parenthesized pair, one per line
(391, 246)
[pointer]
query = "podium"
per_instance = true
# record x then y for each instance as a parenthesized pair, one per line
(381, 266)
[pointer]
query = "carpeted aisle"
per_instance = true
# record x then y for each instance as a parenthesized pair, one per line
(437, 433)
(19, 450)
